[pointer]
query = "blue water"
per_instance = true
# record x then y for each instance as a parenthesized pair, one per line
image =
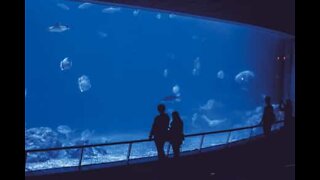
(134, 60)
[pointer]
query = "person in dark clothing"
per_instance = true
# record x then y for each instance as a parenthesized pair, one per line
(268, 117)
(176, 135)
(281, 109)
(159, 130)
(287, 108)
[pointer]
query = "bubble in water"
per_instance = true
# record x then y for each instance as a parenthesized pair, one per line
(176, 89)
(165, 73)
(84, 83)
(220, 74)
(135, 12)
(65, 64)
(244, 77)
(158, 16)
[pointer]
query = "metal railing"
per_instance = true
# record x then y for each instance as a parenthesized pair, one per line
(130, 143)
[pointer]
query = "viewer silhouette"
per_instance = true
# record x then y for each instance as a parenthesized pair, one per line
(176, 135)
(159, 130)
(281, 108)
(287, 108)
(268, 117)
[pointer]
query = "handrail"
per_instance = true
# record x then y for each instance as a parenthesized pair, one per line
(203, 134)
(87, 146)
(142, 140)
(222, 131)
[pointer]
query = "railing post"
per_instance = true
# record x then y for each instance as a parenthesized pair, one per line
(228, 138)
(201, 142)
(129, 152)
(250, 135)
(80, 161)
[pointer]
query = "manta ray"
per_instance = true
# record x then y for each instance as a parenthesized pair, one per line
(58, 27)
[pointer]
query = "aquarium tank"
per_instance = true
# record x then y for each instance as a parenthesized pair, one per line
(95, 73)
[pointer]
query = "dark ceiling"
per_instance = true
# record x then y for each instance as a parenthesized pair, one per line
(273, 14)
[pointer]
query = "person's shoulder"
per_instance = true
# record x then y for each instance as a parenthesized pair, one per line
(163, 117)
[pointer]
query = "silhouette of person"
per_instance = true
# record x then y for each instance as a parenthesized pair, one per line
(281, 109)
(287, 108)
(268, 117)
(159, 130)
(176, 135)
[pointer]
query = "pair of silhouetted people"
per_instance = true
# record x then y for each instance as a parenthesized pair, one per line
(161, 132)
(268, 117)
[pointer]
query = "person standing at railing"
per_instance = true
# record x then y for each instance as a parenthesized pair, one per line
(268, 117)
(287, 108)
(159, 130)
(176, 135)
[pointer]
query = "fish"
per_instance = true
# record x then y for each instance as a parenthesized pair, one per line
(63, 6)
(58, 27)
(244, 77)
(212, 122)
(171, 98)
(84, 5)
(110, 10)
(65, 64)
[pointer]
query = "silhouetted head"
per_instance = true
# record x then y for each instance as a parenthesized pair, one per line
(281, 101)
(288, 102)
(267, 100)
(175, 116)
(161, 108)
